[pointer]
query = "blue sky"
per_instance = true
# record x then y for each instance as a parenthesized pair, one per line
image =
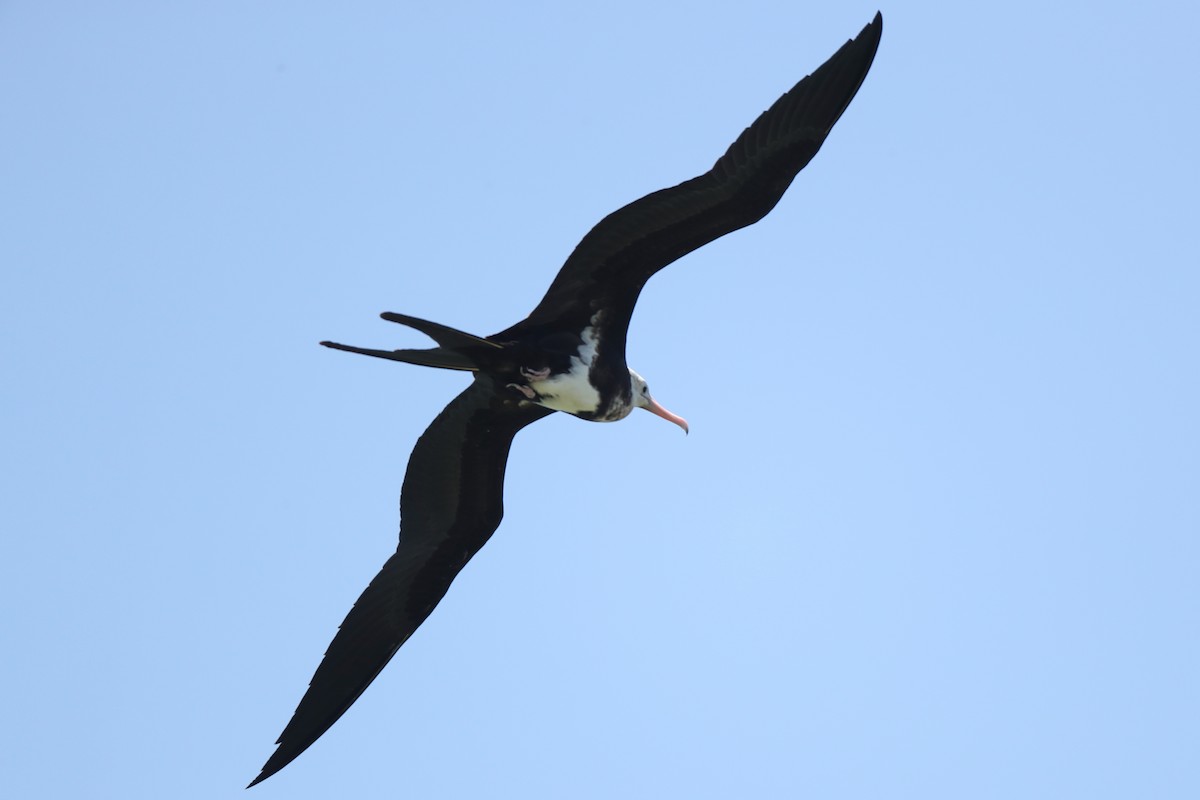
(935, 532)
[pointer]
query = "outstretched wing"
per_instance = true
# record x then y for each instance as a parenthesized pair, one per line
(615, 259)
(451, 502)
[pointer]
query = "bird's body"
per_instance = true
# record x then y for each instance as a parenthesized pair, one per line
(569, 387)
(567, 355)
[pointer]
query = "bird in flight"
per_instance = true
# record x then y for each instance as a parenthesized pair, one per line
(567, 355)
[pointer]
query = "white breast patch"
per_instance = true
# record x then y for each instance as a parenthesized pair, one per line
(571, 391)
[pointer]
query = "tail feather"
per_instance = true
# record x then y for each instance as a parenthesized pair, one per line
(438, 357)
(443, 335)
(455, 350)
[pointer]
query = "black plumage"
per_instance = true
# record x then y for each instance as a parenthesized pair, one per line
(574, 341)
(452, 500)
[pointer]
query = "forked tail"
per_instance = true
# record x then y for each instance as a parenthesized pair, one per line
(455, 350)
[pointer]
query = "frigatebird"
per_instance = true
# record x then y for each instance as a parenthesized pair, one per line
(567, 355)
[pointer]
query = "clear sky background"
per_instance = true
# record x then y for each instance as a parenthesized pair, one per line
(936, 530)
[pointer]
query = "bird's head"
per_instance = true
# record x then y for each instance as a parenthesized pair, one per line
(642, 399)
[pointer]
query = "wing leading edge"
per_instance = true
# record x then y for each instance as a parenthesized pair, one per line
(614, 260)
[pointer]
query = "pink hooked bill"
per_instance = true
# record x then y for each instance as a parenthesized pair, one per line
(654, 408)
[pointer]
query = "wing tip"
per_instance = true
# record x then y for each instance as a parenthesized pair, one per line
(262, 776)
(278, 760)
(875, 26)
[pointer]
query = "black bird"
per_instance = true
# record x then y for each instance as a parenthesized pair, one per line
(568, 355)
